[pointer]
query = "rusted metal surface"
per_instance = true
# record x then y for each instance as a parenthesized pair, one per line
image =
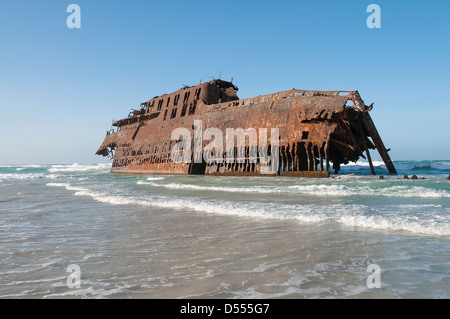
(318, 131)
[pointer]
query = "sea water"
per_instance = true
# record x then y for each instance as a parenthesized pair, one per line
(166, 236)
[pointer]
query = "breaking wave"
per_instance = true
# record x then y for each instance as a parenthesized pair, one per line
(403, 167)
(348, 215)
(79, 168)
(423, 165)
(365, 164)
(28, 176)
(151, 178)
(316, 190)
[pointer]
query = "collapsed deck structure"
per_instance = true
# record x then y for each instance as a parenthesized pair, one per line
(318, 131)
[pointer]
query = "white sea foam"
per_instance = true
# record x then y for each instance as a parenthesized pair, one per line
(348, 215)
(365, 164)
(68, 186)
(316, 190)
(79, 168)
(156, 178)
(94, 255)
(151, 178)
(28, 176)
(21, 176)
(427, 227)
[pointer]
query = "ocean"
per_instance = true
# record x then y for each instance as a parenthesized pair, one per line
(76, 231)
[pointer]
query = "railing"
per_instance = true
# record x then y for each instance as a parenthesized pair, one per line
(278, 96)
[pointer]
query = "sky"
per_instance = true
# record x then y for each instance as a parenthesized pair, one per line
(61, 87)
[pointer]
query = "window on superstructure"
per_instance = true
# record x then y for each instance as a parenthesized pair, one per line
(175, 101)
(192, 108)
(174, 113)
(183, 110)
(186, 97)
(160, 104)
(165, 115)
(305, 135)
(168, 101)
(197, 93)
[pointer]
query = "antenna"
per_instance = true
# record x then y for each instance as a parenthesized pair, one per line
(220, 75)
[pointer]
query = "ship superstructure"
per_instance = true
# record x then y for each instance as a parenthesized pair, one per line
(318, 132)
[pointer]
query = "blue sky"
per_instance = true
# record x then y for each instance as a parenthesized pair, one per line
(60, 88)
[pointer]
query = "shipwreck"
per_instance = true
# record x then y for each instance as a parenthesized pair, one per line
(318, 132)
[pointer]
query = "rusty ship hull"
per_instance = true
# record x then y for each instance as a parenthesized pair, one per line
(318, 131)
